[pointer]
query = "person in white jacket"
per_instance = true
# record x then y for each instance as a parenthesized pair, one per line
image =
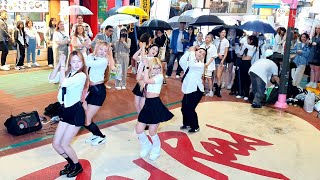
(192, 87)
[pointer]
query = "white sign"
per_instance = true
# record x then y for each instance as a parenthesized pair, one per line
(24, 6)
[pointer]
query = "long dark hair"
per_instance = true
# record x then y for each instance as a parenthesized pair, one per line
(50, 23)
(21, 31)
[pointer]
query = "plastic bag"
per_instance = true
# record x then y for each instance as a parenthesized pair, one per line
(117, 73)
(309, 102)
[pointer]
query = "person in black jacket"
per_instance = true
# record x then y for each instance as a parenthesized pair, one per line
(20, 40)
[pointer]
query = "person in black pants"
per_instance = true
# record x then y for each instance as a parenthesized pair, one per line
(192, 62)
(49, 38)
(4, 38)
(20, 40)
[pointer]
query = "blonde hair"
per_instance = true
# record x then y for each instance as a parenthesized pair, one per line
(152, 63)
(107, 71)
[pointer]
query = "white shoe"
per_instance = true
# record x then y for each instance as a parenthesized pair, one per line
(5, 68)
(229, 86)
(145, 148)
(177, 76)
(50, 65)
(123, 87)
(133, 70)
(99, 140)
(309, 84)
(166, 76)
(21, 67)
(238, 97)
(314, 85)
(90, 139)
(118, 88)
(223, 85)
(29, 65)
(35, 64)
(246, 98)
(17, 68)
(108, 87)
(210, 94)
(7, 65)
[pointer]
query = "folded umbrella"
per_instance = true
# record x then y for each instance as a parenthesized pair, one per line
(257, 26)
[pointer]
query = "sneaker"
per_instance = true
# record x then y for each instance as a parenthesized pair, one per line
(145, 149)
(17, 68)
(35, 64)
(99, 140)
(238, 97)
(193, 130)
(21, 67)
(223, 85)
(108, 87)
(123, 87)
(254, 105)
(167, 76)
(133, 70)
(90, 139)
(5, 68)
(314, 85)
(210, 94)
(118, 87)
(177, 76)
(229, 87)
(184, 127)
(246, 98)
(309, 84)
(29, 65)
(50, 65)
(7, 65)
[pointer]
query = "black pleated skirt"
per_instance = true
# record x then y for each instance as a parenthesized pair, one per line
(136, 90)
(73, 115)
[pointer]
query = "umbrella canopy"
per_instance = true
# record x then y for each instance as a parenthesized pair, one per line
(75, 10)
(112, 11)
(215, 31)
(119, 19)
(193, 13)
(132, 10)
(257, 26)
(175, 21)
(155, 24)
(186, 19)
(207, 20)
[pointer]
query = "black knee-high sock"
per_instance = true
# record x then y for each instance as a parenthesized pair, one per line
(94, 129)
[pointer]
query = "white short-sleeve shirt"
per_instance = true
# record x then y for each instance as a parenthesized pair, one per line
(223, 45)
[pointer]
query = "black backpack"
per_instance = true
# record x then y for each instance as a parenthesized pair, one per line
(53, 110)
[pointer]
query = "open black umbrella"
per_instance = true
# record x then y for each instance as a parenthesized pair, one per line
(207, 20)
(258, 26)
(215, 31)
(155, 24)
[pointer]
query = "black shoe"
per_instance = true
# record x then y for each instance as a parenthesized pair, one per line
(184, 127)
(193, 130)
(75, 171)
(66, 170)
(253, 105)
(218, 91)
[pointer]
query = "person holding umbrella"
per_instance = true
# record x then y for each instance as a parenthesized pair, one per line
(222, 45)
(178, 45)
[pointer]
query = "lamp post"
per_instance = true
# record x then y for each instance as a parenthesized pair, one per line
(282, 97)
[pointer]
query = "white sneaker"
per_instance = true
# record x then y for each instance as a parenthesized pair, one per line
(145, 148)
(238, 97)
(229, 86)
(223, 85)
(5, 68)
(21, 67)
(314, 85)
(123, 87)
(7, 65)
(210, 94)
(50, 65)
(309, 84)
(99, 140)
(177, 76)
(90, 139)
(108, 87)
(118, 88)
(35, 64)
(17, 68)
(133, 70)
(246, 98)
(29, 65)
(167, 76)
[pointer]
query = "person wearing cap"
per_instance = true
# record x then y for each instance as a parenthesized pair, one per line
(260, 72)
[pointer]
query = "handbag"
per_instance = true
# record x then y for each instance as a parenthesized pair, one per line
(23, 123)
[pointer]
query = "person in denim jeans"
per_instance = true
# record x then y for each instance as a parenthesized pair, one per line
(260, 72)
(178, 44)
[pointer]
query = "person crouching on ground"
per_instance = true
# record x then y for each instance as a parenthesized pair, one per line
(260, 72)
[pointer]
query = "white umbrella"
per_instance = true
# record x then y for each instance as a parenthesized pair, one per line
(75, 10)
(119, 19)
(174, 21)
(193, 13)
(186, 19)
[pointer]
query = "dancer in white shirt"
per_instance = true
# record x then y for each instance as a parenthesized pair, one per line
(193, 66)
(97, 65)
(73, 81)
(153, 112)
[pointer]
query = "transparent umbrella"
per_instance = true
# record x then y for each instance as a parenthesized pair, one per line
(119, 19)
(75, 10)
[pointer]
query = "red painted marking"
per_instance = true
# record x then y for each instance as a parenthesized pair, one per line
(52, 172)
(155, 173)
(221, 154)
(117, 178)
